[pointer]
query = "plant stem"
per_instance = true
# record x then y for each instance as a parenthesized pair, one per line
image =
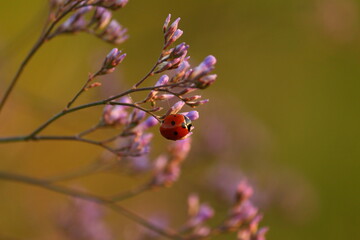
(34, 49)
(83, 88)
(32, 135)
(97, 103)
(58, 138)
(89, 197)
(138, 107)
(93, 167)
(131, 193)
(150, 73)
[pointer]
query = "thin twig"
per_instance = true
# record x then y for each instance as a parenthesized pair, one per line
(84, 106)
(90, 130)
(38, 44)
(151, 72)
(131, 193)
(97, 103)
(83, 89)
(170, 234)
(148, 111)
(58, 138)
(94, 167)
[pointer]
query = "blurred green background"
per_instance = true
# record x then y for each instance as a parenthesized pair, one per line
(286, 104)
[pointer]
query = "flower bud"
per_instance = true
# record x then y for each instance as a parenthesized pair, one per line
(204, 68)
(163, 97)
(177, 34)
(192, 98)
(148, 123)
(179, 50)
(192, 115)
(244, 192)
(116, 115)
(175, 108)
(114, 4)
(113, 59)
(163, 80)
(114, 33)
(171, 30)
(180, 71)
(166, 23)
(197, 103)
(137, 115)
(205, 81)
(102, 17)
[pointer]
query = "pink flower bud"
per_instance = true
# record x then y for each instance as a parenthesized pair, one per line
(166, 23)
(163, 97)
(177, 34)
(163, 80)
(171, 30)
(204, 68)
(192, 115)
(175, 108)
(198, 103)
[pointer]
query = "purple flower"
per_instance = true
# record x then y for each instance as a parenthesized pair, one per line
(113, 4)
(83, 220)
(170, 31)
(165, 172)
(136, 116)
(180, 149)
(197, 103)
(114, 33)
(113, 59)
(166, 23)
(204, 68)
(180, 50)
(116, 115)
(177, 34)
(75, 22)
(163, 80)
(162, 97)
(175, 108)
(148, 123)
(241, 214)
(192, 115)
(179, 75)
(141, 144)
(204, 213)
(136, 165)
(102, 17)
(206, 81)
(244, 192)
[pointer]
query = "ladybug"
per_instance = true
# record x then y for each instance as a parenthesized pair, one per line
(175, 127)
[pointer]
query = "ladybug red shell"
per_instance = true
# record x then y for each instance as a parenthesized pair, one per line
(175, 127)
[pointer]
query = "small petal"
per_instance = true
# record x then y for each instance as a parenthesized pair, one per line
(192, 115)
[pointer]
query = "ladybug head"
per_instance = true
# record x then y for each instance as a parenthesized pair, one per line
(188, 123)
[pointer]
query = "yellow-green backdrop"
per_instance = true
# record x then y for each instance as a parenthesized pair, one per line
(286, 103)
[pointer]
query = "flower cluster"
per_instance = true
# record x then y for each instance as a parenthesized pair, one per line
(132, 121)
(98, 23)
(167, 168)
(83, 220)
(244, 217)
(198, 215)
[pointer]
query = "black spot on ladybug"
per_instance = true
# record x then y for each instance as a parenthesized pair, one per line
(175, 133)
(173, 123)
